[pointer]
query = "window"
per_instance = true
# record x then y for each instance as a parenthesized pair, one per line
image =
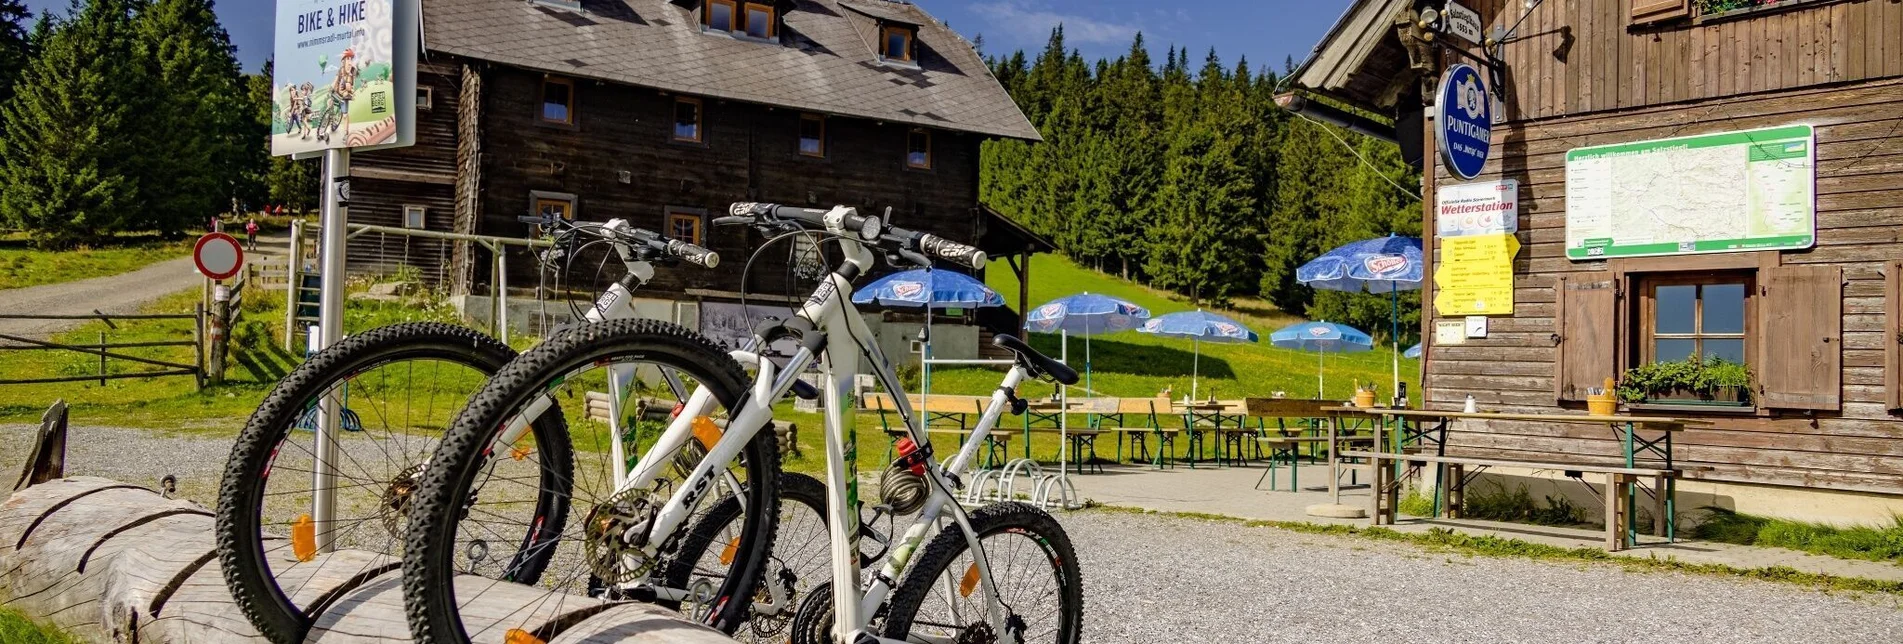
(813, 135)
(413, 217)
(425, 98)
(558, 101)
(687, 119)
(760, 22)
(684, 225)
(719, 15)
(918, 149)
(1684, 317)
(895, 43)
(553, 204)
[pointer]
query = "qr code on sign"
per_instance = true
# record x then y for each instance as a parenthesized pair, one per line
(379, 102)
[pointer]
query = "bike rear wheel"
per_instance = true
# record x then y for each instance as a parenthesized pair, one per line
(396, 387)
(1033, 566)
(476, 485)
(801, 558)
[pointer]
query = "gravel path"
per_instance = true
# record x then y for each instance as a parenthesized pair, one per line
(1153, 578)
(122, 293)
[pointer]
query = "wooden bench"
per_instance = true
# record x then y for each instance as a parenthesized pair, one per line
(1148, 423)
(1289, 448)
(1386, 496)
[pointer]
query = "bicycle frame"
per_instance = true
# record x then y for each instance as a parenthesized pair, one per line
(830, 310)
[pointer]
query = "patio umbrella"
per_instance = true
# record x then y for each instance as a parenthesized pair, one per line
(1412, 352)
(1199, 327)
(1085, 314)
(1322, 337)
(932, 290)
(1388, 264)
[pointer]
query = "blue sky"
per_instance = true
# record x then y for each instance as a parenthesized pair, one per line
(1264, 30)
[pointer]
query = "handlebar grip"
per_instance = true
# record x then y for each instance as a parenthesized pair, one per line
(949, 250)
(692, 254)
(839, 220)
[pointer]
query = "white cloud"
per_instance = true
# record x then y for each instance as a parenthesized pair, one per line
(1025, 23)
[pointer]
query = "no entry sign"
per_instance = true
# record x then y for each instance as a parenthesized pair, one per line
(218, 256)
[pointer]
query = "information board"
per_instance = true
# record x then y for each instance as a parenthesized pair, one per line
(1475, 275)
(343, 75)
(1715, 193)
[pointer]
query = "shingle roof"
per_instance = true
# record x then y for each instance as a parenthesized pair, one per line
(823, 63)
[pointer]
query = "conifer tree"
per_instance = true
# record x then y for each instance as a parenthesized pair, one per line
(69, 134)
(200, 142)
(14, 52)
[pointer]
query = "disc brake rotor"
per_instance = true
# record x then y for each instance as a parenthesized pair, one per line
(613, 559)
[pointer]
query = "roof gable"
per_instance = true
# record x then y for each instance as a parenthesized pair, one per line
(822, 64)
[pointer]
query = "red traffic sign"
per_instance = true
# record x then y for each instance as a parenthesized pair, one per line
(218, 256)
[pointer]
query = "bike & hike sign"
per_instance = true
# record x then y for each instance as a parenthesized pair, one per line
(343, 76)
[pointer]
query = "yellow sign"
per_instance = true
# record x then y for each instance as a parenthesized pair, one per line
(1475, 275)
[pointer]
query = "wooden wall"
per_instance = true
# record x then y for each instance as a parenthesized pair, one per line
(385, 181)
(1858, 444)
(750, 153)
(1580, 56)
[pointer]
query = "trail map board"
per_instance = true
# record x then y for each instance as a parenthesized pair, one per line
(1726, 192)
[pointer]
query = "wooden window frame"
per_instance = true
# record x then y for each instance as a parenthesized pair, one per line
(885, 39)
(696, 215)
(772, 20)
(928, 149)
(700, 120)
(801, 134)
(422, 216)
(734, 18)
(539, 197)
(541, 106)
(1646, 331)
(426, 99)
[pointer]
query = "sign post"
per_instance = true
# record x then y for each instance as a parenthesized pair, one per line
(344, 79)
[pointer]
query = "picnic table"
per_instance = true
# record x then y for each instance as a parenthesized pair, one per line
(1645, 451)
(1195, 415)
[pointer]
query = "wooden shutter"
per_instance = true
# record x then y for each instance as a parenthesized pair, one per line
(1801, 337)
(1893, 334)
(1586, 325)
(1645, 12)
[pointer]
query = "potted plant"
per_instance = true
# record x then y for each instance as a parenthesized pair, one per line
(1712, 381)
(1364, 395)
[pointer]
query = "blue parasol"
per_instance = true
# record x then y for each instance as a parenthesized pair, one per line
(1087, 315)
(1412, 352)
(940, 289)
(1322, 337)
(1388, 264)
(1199, 327)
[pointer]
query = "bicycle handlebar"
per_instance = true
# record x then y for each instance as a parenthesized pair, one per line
(840, 220)
(690, 253)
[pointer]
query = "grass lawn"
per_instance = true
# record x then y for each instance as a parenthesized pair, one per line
(1872, 543)
(23, 265)
(15, 628)
(173, 402)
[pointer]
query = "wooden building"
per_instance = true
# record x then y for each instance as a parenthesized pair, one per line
(1819, 324)
(663, 112)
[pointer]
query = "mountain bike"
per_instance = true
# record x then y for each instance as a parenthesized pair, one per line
(637, 521)
(283, 532)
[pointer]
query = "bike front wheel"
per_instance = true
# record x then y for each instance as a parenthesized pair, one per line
(616, 385)
(1034, 570)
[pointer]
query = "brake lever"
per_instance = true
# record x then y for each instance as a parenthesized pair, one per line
(895, 256)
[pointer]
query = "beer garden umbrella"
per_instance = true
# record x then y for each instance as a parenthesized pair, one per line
(1388, 264)
(1323, 337)
(932, 290)
(1199, 326)
(1085, 314)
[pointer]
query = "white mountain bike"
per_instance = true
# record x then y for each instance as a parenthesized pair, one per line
(1005, 572)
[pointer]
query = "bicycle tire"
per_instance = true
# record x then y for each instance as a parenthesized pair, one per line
(986, 521)
(429, 557)
(239, 525)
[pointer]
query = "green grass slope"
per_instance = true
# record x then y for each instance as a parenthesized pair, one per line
(1131, 364)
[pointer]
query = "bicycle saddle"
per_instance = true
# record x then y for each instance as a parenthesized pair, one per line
(1034, 362)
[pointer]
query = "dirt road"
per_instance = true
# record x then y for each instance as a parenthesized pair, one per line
(122, 293)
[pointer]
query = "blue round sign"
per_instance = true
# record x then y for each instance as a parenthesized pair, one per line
(1463, 121)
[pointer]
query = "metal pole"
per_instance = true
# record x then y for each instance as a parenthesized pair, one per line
(502, 293)
(330, 325)
(1394, 331)
(291, 282)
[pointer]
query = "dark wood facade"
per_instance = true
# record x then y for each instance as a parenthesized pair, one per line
(1823, 324)
(619, 159)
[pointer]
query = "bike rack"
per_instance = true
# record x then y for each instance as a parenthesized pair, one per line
(1042, 489)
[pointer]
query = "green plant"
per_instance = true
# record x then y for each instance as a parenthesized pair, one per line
(1416, 504)
(16, 628)
(1559, 510)
(1874, 543)
(1702, 378)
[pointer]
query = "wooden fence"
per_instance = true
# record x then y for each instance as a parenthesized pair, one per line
(211, 322)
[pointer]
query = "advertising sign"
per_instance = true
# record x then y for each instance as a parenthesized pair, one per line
(1714, 193)
(343, 76)
(1463, 122)
(1483, 208)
